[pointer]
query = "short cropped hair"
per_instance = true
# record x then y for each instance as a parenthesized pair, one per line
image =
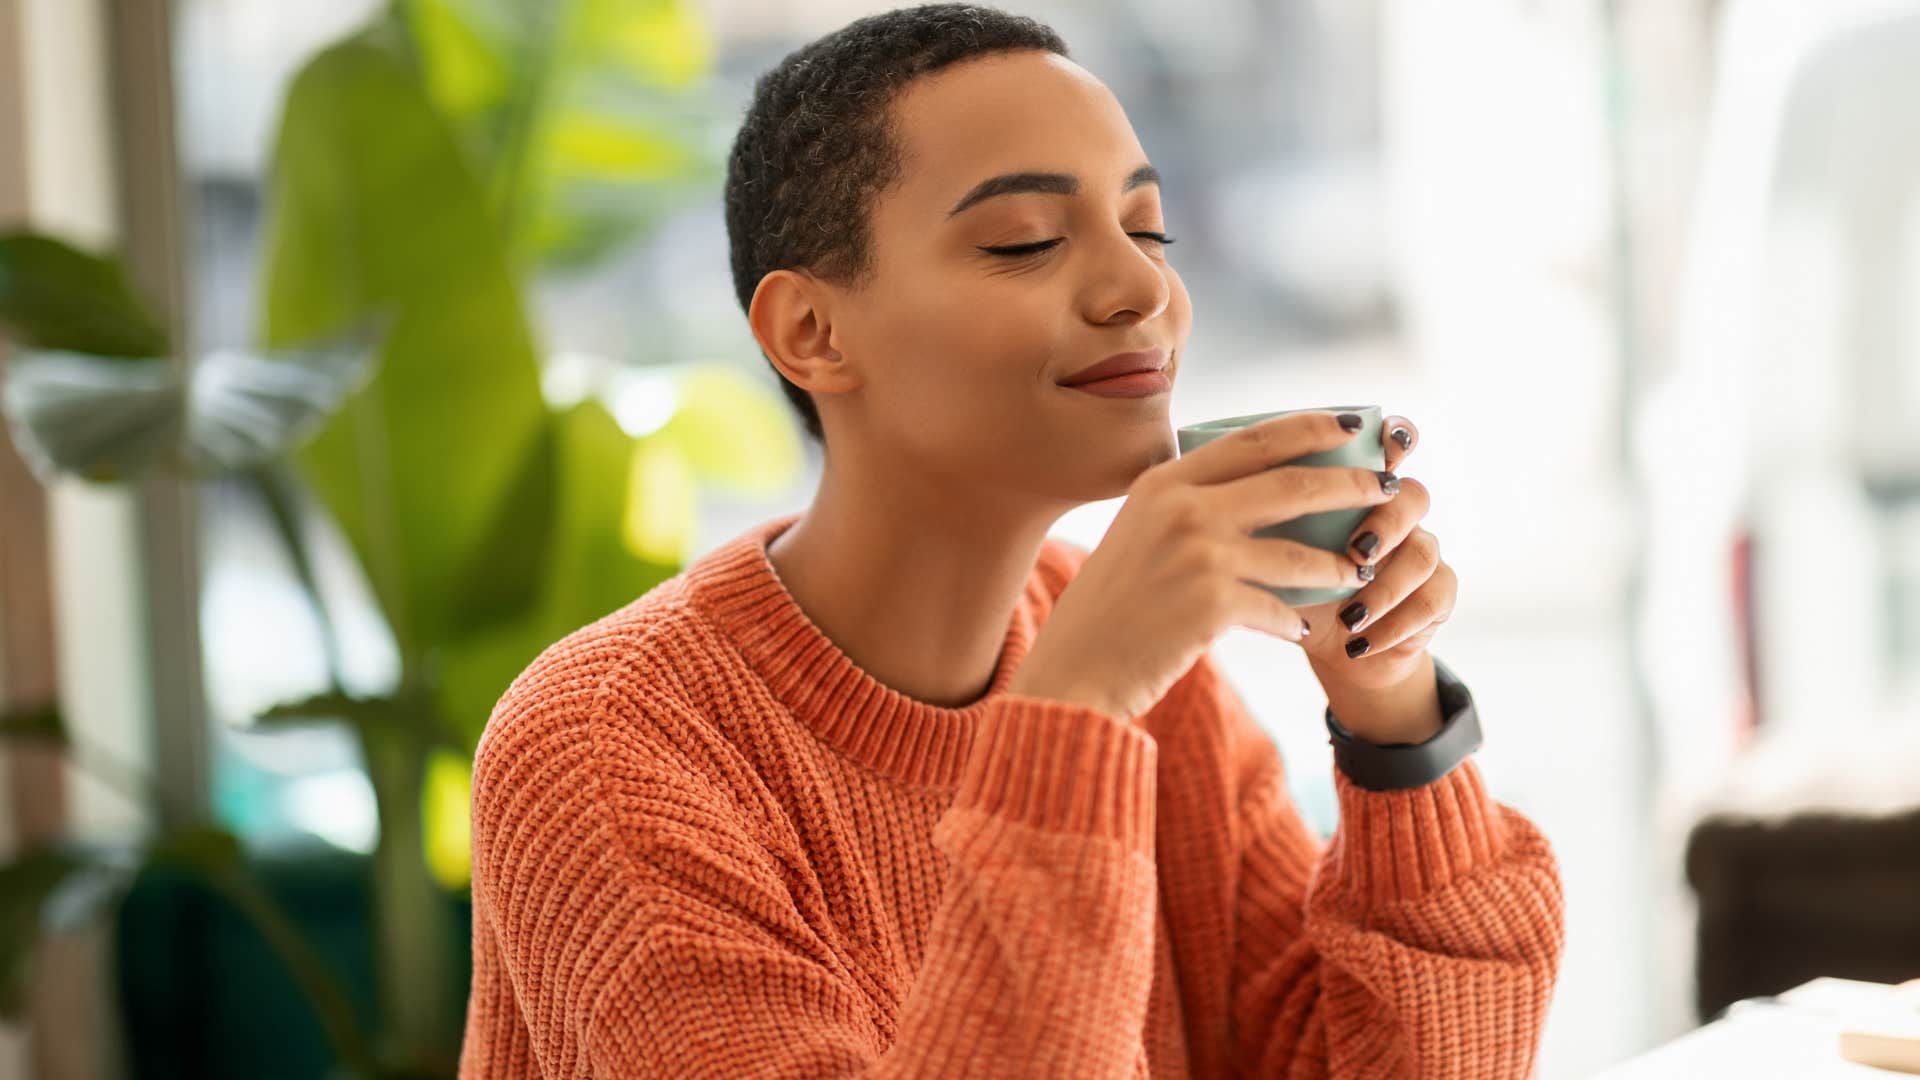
(817, 145)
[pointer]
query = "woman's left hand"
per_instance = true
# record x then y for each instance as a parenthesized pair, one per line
(1399, 611)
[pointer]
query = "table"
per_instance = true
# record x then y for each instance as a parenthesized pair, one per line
(1794, 1034)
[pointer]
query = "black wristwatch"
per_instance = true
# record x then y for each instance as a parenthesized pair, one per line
(1392, 766)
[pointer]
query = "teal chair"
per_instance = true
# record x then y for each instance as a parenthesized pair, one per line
(203, 998)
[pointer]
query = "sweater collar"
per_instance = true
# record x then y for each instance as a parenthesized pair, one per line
(736, 586)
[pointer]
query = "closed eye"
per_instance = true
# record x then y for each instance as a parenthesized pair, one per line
(1042, 245)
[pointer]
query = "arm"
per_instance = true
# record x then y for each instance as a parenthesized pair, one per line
(643, 929)
(1424, 939)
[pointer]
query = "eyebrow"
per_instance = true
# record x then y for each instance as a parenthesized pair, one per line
(1045, 183)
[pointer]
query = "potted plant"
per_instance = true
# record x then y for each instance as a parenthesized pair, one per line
(426, 170)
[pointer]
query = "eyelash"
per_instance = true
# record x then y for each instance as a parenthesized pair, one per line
(1037, 247)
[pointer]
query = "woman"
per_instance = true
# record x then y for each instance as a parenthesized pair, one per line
(902, 785)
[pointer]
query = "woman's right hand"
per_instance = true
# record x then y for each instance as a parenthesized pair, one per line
(1179, 562)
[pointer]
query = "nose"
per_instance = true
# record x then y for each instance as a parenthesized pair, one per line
(1127, 279)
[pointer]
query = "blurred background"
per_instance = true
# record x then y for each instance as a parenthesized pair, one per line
(355, 350)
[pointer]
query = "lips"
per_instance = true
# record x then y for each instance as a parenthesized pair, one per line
(1119, 364)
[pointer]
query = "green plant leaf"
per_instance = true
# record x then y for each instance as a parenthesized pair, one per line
(205, 849)
(502, 578)
(246, 409)
(616, 159)
(588, 571)
(606, 146)
(662, 508)
(591, 120)
(397, 718)
(25, 884)
(661, 42)
(103, 419)
(467, 72)
(592, 570)
(329, 707)
(56, 296)
(40, 722)
(446, 797)
(607, 179)
(110, 419)
(734, 433)
(374, 208)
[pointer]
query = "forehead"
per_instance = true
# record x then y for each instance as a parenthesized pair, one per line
(1027, 110)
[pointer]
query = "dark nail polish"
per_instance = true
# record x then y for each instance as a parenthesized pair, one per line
(1356, 647)
(1402, 436)
(1350, 421)
(1389, 483)
(1353, 613)
(1365, 571)
(1365, 544)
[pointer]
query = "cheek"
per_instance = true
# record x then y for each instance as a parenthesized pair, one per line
(967, 378)
(966, 345)
(1179, 304)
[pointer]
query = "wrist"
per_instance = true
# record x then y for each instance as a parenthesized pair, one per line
(1396, 767)
(1404, 712)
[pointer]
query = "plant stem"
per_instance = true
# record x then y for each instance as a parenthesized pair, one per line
(316, 982)
(274, 484)
(412, 917)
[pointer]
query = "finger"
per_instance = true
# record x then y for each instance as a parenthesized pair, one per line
(1393, 430)
(1258, 609)
(1362, 646)
(1419, 612)
(1406, 647)
(1387, 526)
(1283, 563)
(1255, 447)
(1394, 580)
(1285, 492)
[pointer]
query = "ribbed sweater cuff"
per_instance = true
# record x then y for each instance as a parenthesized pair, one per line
(1401, 845)
(1063, 767)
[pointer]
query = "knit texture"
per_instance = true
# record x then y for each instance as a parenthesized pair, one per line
(706, 843)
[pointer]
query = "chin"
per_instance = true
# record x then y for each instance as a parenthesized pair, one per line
(1130, 461)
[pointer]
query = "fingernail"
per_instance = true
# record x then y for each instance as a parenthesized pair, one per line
(1356, 647)
(1402, 436)
(1305, 628)
(1353, 613)
(1350, 421)
(1365, 570)
(1389, 483)
(1365, 544)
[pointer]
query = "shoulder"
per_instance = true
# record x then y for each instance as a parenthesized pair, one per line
(605, 738)
(621, 672)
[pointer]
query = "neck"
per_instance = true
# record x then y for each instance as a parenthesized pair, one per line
(914, 581)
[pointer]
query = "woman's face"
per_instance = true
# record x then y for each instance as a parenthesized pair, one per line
(958, 351)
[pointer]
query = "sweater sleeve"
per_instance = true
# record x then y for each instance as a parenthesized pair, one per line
(635, 925)
(1422, 940)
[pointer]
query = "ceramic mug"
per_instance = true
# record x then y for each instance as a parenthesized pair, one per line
(1329, 530)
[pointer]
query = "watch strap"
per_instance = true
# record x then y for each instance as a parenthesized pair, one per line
(1394, 766)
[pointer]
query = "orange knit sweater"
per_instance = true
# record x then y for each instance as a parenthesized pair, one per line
(707, 844)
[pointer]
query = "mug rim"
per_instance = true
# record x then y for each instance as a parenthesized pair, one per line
(1231, 422)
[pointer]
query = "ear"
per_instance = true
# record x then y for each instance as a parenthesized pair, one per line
(791, 318)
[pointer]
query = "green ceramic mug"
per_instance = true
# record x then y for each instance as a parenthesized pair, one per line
(1329, 530)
